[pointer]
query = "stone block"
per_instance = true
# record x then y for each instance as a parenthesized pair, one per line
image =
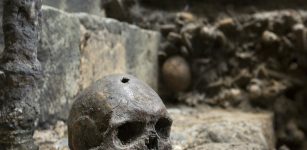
(110, 47)
(87, 6)
(59, 55)
(59, 4)
(76, 6)
(78, 49)
(223, 146)
(198, 128)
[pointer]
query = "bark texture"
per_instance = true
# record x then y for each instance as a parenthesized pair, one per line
(19, 70)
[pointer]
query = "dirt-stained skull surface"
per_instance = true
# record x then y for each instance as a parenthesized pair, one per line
(119, 112)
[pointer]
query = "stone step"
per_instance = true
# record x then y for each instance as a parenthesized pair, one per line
(220, 129)
(78, 49)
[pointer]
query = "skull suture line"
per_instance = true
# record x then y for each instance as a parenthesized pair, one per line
(119, 112)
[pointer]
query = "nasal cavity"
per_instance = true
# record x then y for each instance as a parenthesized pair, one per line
(152, 142)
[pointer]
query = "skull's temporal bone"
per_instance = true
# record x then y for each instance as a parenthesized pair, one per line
(119, 112)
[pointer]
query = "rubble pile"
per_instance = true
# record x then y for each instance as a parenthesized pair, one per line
(249, 62)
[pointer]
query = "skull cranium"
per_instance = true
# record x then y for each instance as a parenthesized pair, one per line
(119, 112)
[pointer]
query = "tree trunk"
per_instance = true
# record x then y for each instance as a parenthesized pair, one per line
(19, 71)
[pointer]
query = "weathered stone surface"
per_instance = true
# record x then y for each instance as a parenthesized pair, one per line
(87, 6)
(196, 129)
(59, 55)
(77, 49)
(60, 4)
(110, 47)
(100, 57)
(223, 146)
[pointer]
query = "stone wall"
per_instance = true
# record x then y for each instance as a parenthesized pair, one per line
(87, 6)
(59, 55)
(77, 49)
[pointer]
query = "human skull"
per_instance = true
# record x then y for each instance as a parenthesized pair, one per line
(119, 112)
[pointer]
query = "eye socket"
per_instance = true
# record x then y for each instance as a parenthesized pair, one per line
(130, 131)
(163, 127)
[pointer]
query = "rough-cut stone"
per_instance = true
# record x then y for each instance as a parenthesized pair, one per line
(110, 47)
(77, 49)
(59, 55)
(100, 57)
(60, 4)
(226, 146)
(194, 129)
(87, 6)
